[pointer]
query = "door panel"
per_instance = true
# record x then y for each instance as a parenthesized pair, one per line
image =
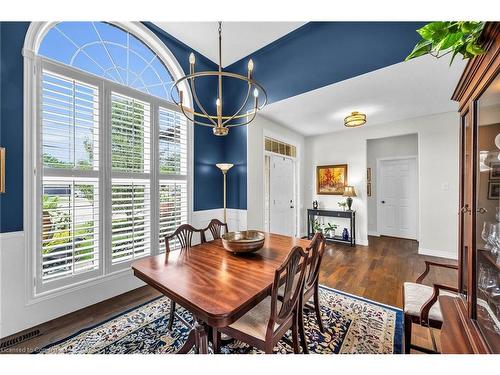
(282, 202)
(397, 198)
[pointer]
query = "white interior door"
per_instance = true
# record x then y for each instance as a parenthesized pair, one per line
(281, 196)
(397, 195)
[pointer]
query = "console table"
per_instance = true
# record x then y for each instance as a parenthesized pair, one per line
(350, 215)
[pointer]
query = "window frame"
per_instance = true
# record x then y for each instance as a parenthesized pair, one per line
(33, 70)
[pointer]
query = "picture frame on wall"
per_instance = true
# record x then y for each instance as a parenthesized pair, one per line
(331, 179)
(494, 190)
(495, 170)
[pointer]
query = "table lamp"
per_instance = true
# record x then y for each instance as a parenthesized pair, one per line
(224, 167)
(349, 192)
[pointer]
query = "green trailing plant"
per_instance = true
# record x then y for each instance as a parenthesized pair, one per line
(451, 37)
(316, 225)
(342, 205)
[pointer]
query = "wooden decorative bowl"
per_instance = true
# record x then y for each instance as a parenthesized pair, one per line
(246, 241)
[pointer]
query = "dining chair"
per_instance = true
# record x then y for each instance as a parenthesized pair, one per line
(184, 237)
(215, 226)
(265, 325)
(421, 306)
(311, 286)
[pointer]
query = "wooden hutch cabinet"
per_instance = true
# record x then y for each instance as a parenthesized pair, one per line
(471, 323)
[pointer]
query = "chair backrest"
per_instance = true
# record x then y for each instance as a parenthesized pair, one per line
(215, 227)
(316, 250)
(292, 289)
(184, 234)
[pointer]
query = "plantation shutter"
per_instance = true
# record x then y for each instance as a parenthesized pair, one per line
(173, 194)
(130, 184)
(69, 225)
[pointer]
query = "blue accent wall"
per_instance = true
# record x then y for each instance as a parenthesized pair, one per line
(208, 149)
(11, 131)
(315, 55)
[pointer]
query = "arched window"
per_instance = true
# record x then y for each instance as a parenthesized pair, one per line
(109, 52)
(111, 154)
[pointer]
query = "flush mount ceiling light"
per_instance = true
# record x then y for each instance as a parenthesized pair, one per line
(218, 121)
(354, 120)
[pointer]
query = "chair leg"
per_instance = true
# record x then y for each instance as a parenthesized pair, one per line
(408, 324)
(172, 315)
(303, 338)
(295, 335)
(216, 339)
(268, 349)
(317, 309)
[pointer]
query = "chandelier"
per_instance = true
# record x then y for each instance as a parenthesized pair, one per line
(219, 122)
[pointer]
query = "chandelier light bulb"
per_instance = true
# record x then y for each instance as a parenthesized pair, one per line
(250, 65)
(255, 93)
(217, 102)
(192, 58)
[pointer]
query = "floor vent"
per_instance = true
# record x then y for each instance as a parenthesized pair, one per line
(18, 339)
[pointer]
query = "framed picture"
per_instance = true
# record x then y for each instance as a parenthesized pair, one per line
(369, 189)
(494, 190)
(331, 179)
(495, 170)
(368, 174)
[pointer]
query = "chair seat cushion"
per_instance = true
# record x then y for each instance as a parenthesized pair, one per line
(254, 323)
(416, 295)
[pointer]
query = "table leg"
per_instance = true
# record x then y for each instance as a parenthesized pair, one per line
(201, 336)
(197, 338)
(188, 345)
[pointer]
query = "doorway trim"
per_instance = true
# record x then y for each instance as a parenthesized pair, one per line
(296, 161)
(379, 160)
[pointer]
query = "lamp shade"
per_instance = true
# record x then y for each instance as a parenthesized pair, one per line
(224, 167)
(355, 119)
(349, 191)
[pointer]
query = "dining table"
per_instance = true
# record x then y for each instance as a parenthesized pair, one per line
(215, 285)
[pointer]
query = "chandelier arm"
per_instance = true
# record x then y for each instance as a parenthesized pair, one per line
(253, 114)
(195, 96)
(183, 110)
(242, 106)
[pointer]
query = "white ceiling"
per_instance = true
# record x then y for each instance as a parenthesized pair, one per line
(239, 39)
(418, 87)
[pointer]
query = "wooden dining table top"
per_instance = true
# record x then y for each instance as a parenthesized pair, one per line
(215, 285)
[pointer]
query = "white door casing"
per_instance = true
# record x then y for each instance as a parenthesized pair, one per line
(397, 197)
(282, 196)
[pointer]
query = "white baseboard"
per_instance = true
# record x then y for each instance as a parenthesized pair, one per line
(362, 242)
(373, 233)
(438, 253)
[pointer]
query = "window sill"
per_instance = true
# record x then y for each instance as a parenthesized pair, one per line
(54, 293)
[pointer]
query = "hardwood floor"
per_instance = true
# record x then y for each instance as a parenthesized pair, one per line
(376, 272)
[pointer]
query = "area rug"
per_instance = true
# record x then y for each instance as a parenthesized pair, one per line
(353, 325)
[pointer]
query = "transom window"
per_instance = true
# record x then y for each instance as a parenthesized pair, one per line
(112, 154)
(109, 52)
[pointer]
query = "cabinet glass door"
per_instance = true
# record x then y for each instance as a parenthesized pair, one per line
(465, 200)
(487, 231)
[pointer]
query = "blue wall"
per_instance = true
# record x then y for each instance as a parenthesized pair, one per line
(313, 56)
(11, 131)
(208, 149)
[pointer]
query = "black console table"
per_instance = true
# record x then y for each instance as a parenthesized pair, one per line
(351, 215)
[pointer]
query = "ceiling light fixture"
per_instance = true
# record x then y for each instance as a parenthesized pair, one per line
(218, 121)
(354, 120)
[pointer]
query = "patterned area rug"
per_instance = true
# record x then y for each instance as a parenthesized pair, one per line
(352, 325)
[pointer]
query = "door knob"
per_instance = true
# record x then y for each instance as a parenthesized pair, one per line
(482, 210)
(382, 201)
(465, 209)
